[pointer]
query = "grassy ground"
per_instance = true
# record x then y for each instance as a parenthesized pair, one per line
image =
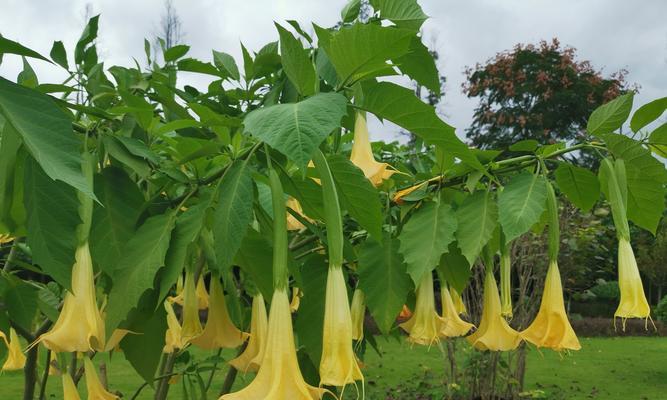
(609, 368)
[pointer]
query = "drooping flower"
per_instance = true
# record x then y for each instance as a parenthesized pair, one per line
(5, 238)
(459, 305)
(633, 302)
(296, 300)
(172, 337)
(191, 327)
(80, 326)
(93, 385)
(294, 224)
(15, 357)
(453, 325)
(400, 195)
(69, 388)
(494, 333)
(551, 328)
(114, 341)
(279, 376)
(506, 284)
(220, 331)
(251, 358)
(425, 325)
(202, 295)
(358, 311)
(362, 154)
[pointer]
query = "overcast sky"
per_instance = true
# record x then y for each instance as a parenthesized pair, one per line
(612, 34)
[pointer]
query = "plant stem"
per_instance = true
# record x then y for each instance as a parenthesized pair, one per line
(163, 385)
(30, 374)
(11, 256)
(213, 370)
(229, 381)
(45, 376)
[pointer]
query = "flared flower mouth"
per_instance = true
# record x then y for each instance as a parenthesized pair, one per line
(172, 337)
(362, 154)
(425, 325)
(494, 333)
(191, 327)
(453, 325)
(15, 357)
(251, 358)
(95, 389)
(633, 302)
(459, 305)
(551, 327)
(80, 326)
(358, 312)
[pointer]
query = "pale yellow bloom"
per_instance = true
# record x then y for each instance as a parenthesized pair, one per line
(294, 224)
(279, 376)
(95, 389)
(459, 305)
(551, 328)
(362, 154)
(15, 357)
(202, 295)
(425, 325)
(251, 358)
(5, 238)
(358, 311)
(172, 337)
(296, 300)
(80, 326)
(633, 302)
(191, 327)
(399, 195)
(494, 333)
(69, 388)
(114, 341)
(453, 325)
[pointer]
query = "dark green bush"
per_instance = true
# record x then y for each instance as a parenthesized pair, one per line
(661, 310)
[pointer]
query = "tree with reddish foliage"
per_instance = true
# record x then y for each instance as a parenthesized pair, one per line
(540, 92)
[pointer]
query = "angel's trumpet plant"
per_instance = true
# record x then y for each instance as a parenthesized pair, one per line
(15, 357)
(362, 154)
(358, 311)
(172, 337)
(452, 325)
(296, 300)
(251, 358)
(459, 305)
(220, 331)
(96, 390)
(191, 327)
(294, 224)
(202, 295)
(279, 376)
(505, 281)
(69, 388)
(425, 325)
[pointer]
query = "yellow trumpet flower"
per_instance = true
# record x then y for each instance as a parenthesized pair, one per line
(15, 357)
(251, 358)
(399, 195)
(338, 365)
(294, 224)
(362, 154)
(191, 327)
(494, 333)
(296, 300)
(172, 337)
(633, 302)
(114, 341)
(425, 325)
(551, 328)
(220, 331)
(80, 326)
(459, 305)
(358, 311)
(279, 376)
(95, 389)
(202, 295)
(453, 325)
(69, 388)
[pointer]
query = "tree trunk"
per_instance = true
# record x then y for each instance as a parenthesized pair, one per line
(30, 374)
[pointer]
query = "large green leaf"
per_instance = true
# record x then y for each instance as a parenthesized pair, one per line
(143, 347)
(351, 10)
(143, 254)
(400, 105)
(175, 52)
(362, 50)
(404, 13)
(11, 47)
(477, 218)
(10, 177)
(610, 116)
(426, 236)
(53, 218)
(419, 65)
(59, 54)
(646, 178)
(310, 318)
(455, 268)
(233, 213)
(21, 303)
(88, 35)
(114, 219)
(46, 132)
(357, 194)
(648, 113)
(521, 203)
(226, 63)
(255, 257)
(384, 280)
(658, 140)
(580, 185)
(297, 129)
(297, 65)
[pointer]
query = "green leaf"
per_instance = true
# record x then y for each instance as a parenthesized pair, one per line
(521, 204)
(115, 217)
(310, 318)
(357, 194)
(176, 52)
(59, 55)
(297, 65)
(11, 47)
(21, 303)
(477, 218)
(248, 63)
(362, 50)
(226, 63)
(426, 236)
(88, 35)
(580, 185)
(384, 280)
(400, 105)
(648, 113)
(351, 11)
(123, 155)
(404, 13)
(658, 140)
(176, 125)
(233, 213)
(143, 347)
(200, 67)
(53, 218)
(297, 129)
(419, 65)
(529, 145)
(143, 254)
(646, 178)
(27, 76)
(455, 268)
(255, 257)
(46, 132)
(610, 116)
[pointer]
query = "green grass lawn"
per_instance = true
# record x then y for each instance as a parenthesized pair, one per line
(606, 368)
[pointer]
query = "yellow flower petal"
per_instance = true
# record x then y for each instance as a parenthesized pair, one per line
(172, 336)
(114, 341)
(425, 325)
(459, 305)
(191, 327)
(15, 357)
(202, 295)
(296, 300)
(95, 389)
(362, 154)
(69, 388)
(358, 311)
(294, 224)
(453, 325)
(633, 302)
(251, 358)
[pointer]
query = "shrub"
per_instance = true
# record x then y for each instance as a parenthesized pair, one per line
(661, 310)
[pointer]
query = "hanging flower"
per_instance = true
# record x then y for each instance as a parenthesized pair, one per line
(114, 341)
(459, 305)
(506, 284)
(358, 312)
(69, 388)
(362, 154)
(95, 389)
(15, 357)
(551, 328)
(294, 224)
(279, 376)
(425, 325)
(401, 194)
(172, 337)
(80, 326)
(296, 300)
(494, 333)
(251, 358)
(220, 331)
(633, 302)
(191, 327)
(453, 325)
(202, 295)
